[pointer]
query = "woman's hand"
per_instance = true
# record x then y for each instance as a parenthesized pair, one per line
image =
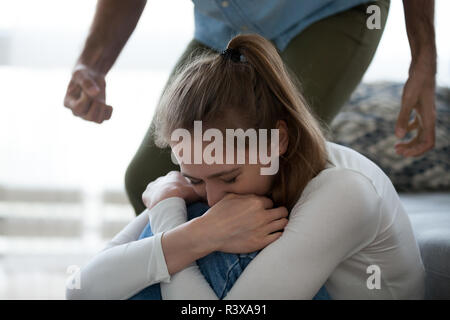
(173, 184)
(243, 223)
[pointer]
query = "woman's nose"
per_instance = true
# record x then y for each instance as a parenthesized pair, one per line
(212, 200)
(214, 195)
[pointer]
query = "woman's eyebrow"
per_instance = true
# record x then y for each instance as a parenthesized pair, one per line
(215, 175)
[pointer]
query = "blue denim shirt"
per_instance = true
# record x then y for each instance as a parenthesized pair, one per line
(217, 21)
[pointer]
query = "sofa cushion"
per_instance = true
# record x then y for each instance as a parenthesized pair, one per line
(367, 122)
(429, 214)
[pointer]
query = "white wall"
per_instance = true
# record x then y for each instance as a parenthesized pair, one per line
(391, 61)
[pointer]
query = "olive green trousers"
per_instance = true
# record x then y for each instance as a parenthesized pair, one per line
(329, 58)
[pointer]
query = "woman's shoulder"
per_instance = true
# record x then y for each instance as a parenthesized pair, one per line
(339, 180)
(340, 199)
(348, 177)
(344, 157)
(349, 181)
(350, 162)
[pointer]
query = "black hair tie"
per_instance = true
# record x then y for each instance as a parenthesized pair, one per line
(232, 54)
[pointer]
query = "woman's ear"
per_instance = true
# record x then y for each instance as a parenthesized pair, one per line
(283, 136)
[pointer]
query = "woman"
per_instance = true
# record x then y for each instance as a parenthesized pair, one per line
(325, 43)
(344, 225)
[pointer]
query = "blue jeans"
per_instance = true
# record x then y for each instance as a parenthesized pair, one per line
(220, 269)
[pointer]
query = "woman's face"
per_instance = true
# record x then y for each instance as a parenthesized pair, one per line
(213, 181)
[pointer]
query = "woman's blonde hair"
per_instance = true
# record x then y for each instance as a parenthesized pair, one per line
(254, 93)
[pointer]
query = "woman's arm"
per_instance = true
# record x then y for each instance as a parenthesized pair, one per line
(128, 265)
(330, 224)
(338, 217)
(189, 279)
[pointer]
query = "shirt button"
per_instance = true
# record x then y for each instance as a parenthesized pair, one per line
(244, 28)
(225, 4)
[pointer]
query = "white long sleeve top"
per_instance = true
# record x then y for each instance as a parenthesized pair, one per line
(348, 231)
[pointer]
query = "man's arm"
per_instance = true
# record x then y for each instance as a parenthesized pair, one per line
(419, 18)
(114, 21)
(418, 92)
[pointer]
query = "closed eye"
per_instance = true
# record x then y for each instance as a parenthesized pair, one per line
(193, 182)
(230, 181)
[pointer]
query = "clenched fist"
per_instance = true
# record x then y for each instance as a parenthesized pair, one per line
(86, 95)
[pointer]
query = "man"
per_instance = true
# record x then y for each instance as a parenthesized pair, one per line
(327, 44)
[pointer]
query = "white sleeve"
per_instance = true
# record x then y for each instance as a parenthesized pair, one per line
(337, 215)
(190, 279)
(126, 265)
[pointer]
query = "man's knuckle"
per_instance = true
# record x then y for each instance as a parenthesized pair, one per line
(67, 101)
(427, 143)
(86, 82)
(76, 74)
(78, 110)
(79, 76)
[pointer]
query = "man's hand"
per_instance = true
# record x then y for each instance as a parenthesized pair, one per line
(173, 184)
(418, 94)
(113, 23)
(86, 95)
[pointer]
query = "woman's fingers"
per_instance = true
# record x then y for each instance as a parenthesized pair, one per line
(265, 201)
(276, 213)
(271, 238)
(276, 225)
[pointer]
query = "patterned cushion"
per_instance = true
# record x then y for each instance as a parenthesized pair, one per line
(366, 124)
